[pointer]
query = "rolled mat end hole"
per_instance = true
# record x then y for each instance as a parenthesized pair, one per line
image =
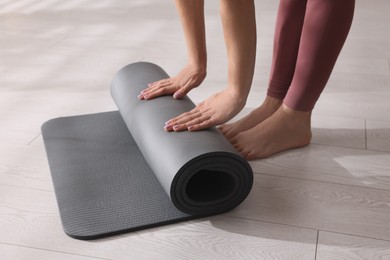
(208, 186)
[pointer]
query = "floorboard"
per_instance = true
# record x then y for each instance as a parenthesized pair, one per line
(329, 200)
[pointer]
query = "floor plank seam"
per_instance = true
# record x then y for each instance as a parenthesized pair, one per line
(26, 188)
(316, 250)
(309, 228)
(58, 42)
(388, 64)
(15, 143)
(35, 138)
(353, 235)
(270, 222)
(365, 134)
(352, 148)
(54, 251)
(328, 182)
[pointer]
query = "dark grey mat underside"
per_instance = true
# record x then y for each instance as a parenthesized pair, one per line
(115, 172)
(102, 182)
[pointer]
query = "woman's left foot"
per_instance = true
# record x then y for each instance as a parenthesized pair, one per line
(258, 115)
(285, 129)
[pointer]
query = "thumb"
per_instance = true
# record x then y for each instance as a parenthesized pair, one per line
(184, 90)
(181, 92)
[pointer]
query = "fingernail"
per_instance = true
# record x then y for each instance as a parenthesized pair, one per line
(190, 128)
(176, 127)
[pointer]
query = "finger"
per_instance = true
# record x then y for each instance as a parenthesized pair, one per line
(182, 116)
(158, 82)
(157, 92)
(153, 83)
(181, 122)
(173, 122)
(184, 90)
(179, 128)
(168, 128)
(203, 125)
(179, 94)
(195, 117)
(190, 121)
(198, 120)
(157, 85)
(162, 83)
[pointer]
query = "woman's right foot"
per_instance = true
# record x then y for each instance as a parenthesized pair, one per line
(255, 117)
(285, 129)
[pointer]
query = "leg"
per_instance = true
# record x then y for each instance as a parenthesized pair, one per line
(285, 50)
(192, 18)
(239, 26)
(325, 29)
(288, 30)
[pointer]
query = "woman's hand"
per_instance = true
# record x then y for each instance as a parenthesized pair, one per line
(217, 109)
(179, 85)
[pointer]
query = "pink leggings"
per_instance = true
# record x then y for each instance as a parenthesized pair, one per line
(308, 39)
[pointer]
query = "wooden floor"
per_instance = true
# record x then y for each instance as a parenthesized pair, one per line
(330, 200)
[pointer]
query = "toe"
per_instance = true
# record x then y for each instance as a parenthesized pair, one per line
(250, 156)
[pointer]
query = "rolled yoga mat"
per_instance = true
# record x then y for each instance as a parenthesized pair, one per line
(120, 171)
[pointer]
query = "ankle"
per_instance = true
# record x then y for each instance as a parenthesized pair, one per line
(271, 103)
(295, 117)
(295, 113)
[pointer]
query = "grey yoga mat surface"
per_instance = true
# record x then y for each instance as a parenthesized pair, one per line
(120, 171)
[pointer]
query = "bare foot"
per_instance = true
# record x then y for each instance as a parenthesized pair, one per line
(217, 109)
(188, 78)
(269, 106)
(285, 129)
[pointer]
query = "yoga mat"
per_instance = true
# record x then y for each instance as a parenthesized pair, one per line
(120, 171)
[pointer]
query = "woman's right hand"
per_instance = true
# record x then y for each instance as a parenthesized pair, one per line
(179, 85)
